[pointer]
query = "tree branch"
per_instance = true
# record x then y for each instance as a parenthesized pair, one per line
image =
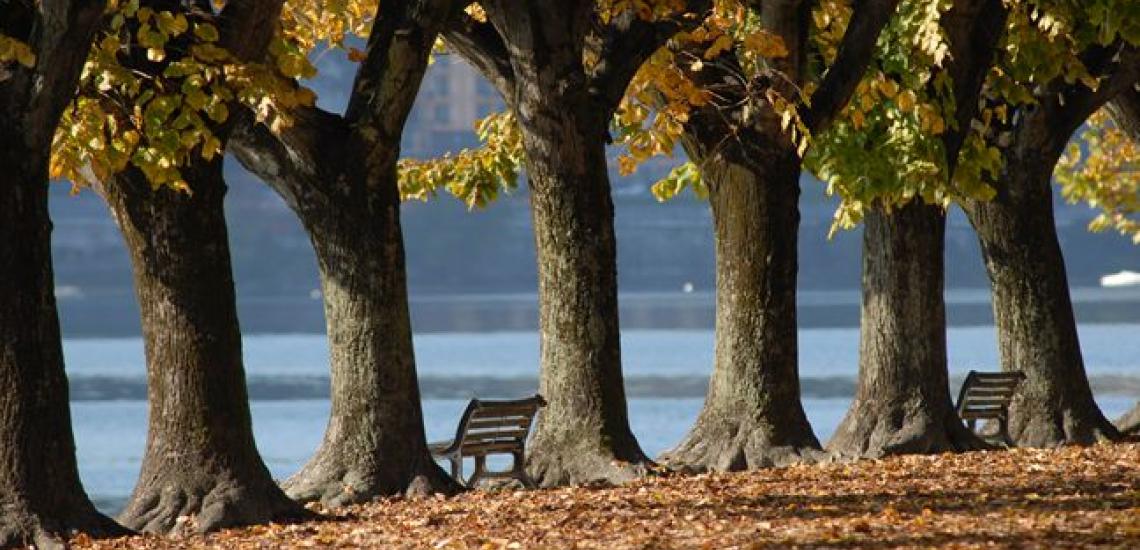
(855, 53)
(395, 60)
(482, 47)
(61, 39)
(1125, 110)
(246, 26)
(292, 161)
(1120, 63)
(628, 41)
(973, 29)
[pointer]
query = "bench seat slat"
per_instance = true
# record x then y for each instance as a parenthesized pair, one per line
(994, 385)
(477, 436)
(485, 423)
(504, 411)
(990, 392)
(486, 448)
(986, 416)
(984, 402)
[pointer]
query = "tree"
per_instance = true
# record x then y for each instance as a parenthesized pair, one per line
(1107, 176)
(152, 78)
(1063, 62)
(41, 56)
(339, 174)
(745, 129)
(1057, 60)
(902, 403)
(562, 67)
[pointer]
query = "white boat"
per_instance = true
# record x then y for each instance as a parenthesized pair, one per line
(1122, 278)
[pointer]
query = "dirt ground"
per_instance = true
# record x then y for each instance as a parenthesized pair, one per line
(1070, 497)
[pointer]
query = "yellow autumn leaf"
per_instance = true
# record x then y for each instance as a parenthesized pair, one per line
(765, 44)
(906, 101)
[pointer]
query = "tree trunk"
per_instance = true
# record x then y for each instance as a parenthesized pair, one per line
(40, 493)
(41, 498)
(902, 401)
(1037, 333)
(201, 459)
(374, 444)
(752, 416)
(583, 434)
(1129, 424)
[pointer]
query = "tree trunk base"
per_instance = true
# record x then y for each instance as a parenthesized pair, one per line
(21, 526)
(732, 445)
(328, 479)
(182, 507)
(1129, 424)
(584, 461)
(1061, 426)
(874, 430)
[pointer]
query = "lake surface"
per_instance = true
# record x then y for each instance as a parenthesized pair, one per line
(668, 369)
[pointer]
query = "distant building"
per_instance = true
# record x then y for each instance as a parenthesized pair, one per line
(452, 97)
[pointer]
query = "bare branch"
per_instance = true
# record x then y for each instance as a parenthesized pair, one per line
(247, 25)
(394, 64)
(973, 29)
(855, 53)
(482, 47)
(1125, 110)
(291, 160)
(1118, 64)
(628, 41)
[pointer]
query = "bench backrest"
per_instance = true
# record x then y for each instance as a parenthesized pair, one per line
(490, 426)
(987, 394)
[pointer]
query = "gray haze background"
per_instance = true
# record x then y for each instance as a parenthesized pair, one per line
(475, 270)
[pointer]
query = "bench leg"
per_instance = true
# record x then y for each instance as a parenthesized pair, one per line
(456, 467)
(1003, 425)
(480, 469)
(519, 471)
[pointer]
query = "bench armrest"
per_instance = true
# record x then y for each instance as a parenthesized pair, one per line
(443, 448)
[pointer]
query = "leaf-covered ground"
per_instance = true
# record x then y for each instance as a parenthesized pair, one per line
(1026, 498)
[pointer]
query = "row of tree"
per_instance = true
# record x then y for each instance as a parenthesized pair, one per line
(903, 106)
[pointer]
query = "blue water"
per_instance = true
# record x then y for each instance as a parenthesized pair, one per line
(110, 435)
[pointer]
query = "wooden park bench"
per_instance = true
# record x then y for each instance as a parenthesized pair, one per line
(986, 396)
(491, 427)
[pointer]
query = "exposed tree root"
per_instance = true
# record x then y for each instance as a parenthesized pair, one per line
(21, 526)
(727, 444)
(331, 479)
(564, 456)
(1129, 424)
(875, 429)
(174, 504)
(1039, 427)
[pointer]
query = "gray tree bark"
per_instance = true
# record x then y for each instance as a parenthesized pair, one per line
(1037, 332)
(374, 444)
(902, 402)
(583, 433)
(200, 459)
(533, 54)
(339, 175)
(41, 498)
(753, 416)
